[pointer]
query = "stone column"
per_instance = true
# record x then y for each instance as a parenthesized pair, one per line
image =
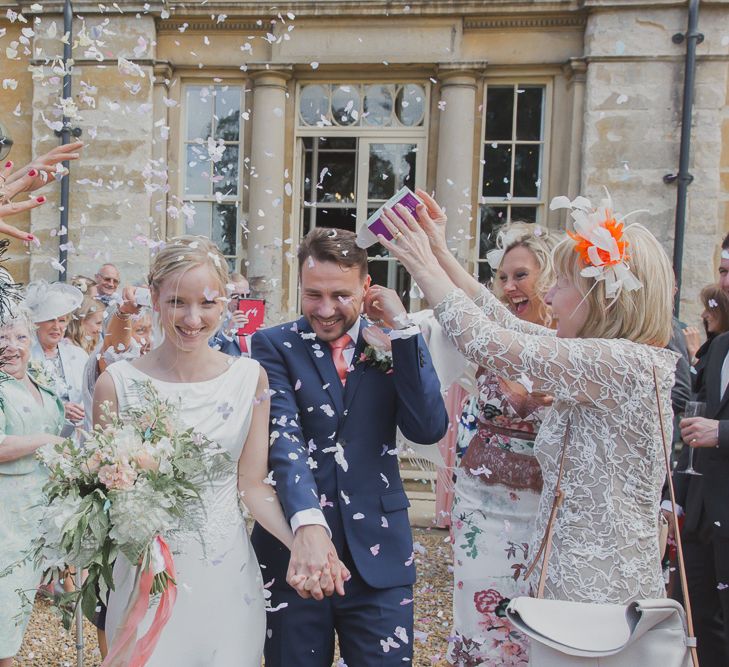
(157, 181)
(576, 72)
(454, 171)
(266, 210)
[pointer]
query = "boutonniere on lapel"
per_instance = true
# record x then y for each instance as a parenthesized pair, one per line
(378, 351)
(38, 371)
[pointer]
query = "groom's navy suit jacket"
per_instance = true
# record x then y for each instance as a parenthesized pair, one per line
(333, 447)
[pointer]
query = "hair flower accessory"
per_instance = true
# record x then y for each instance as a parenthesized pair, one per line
(599, 240)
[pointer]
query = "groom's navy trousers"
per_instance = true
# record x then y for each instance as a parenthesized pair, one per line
(333, 448)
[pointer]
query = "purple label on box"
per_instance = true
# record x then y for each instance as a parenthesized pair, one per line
(408, 200)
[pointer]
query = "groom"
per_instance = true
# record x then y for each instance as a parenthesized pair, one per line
(334, 417)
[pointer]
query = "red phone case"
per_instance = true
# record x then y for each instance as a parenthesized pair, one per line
(256, 311)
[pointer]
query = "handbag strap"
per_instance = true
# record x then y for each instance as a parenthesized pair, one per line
(691, 643)
(545, 548)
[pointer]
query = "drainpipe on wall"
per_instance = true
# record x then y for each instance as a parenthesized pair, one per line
(65, 135)
(684, 178)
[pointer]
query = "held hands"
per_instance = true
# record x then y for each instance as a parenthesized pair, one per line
(700, 432)
(314, 568)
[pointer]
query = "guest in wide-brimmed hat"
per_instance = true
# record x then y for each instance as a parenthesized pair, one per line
(50, 305)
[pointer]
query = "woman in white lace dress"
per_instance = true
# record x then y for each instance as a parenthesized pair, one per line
(612, 326)
(219, 618)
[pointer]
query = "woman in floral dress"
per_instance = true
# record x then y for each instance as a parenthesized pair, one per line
(498, 481)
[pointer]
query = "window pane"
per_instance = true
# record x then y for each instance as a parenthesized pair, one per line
(197, 171)
(308, 157)
(492, 217)
(342, 218)
(338, 143)
(391, 167)
(202, 221)
(227, 171)
(496, 170)
(529, 103)
(523, 213)
(410, 105)
(499, 112)
(378, 105)
(199, 110)
(345, 105)
(227, 111)
(314, 104)
(526, 170)
(389, 273)
(336, 177)
(223, 229)
(378, 270)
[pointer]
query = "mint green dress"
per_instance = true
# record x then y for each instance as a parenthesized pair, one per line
(21, 484)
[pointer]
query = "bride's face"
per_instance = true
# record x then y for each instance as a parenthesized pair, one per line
(190, 306)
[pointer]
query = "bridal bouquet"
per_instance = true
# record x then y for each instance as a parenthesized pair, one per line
(124, 489)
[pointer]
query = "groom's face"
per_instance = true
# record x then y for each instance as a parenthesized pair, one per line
(331, 297)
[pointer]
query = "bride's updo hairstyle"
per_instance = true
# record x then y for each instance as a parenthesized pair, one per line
(183, 253)
(641, 315)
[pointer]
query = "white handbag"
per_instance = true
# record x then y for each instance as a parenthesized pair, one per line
(644, 633)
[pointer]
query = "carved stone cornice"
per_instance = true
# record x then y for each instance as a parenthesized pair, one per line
(462, 74)
(526, 22)
(209, 25)
(162, 73)
(575, 71)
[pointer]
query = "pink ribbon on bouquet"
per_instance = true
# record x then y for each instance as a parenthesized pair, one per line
(127, 651)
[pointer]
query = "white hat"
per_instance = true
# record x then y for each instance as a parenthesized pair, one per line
(47, 301)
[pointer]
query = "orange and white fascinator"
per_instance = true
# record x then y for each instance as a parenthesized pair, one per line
(599, 240)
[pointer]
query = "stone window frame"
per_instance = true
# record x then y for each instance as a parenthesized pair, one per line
(482, 269)
(183, 142)
(419, 134)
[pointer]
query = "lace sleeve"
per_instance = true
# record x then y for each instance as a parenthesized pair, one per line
(604, 373)
(499, 313)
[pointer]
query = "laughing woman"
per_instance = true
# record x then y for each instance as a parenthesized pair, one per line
(613, 305)
(498, 482)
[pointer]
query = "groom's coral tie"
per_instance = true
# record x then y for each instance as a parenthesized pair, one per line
(338, 346)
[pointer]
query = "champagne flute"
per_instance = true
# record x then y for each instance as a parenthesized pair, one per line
(693, 409)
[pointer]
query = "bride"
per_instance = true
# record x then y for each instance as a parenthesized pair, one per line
(219, 618)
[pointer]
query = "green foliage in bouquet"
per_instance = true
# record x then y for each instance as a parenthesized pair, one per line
(138, 477)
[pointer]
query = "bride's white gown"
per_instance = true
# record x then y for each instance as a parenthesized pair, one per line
(219, 618)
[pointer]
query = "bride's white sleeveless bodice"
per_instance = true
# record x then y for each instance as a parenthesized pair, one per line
(219, 618)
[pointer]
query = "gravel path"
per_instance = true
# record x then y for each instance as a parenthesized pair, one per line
(48, 645)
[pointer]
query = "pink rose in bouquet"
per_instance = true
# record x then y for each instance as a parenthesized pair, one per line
(119, 476)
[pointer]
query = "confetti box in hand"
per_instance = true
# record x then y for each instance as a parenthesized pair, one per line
(367, 235)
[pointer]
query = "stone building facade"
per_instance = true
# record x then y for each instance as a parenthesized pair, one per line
(265, 122)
